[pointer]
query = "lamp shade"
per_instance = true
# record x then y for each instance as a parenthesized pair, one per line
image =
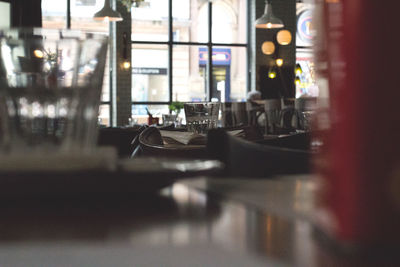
(268, 20)
(284, 37)
(107, 13)
(268, 48)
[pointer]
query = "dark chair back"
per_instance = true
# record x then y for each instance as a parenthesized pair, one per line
(120, 138)
(300, 141)
(249, 159)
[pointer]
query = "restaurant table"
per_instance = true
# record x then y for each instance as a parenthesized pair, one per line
(201, 221)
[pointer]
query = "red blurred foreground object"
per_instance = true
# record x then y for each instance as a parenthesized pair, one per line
(359, 193)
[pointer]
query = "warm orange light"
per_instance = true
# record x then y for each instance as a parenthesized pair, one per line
(279, 62)
(284, 37)
(126, 65)
(38, 53)
(272, 74)
(268, 48)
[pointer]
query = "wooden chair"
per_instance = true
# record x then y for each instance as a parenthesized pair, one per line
(250, 159)
(152, 144)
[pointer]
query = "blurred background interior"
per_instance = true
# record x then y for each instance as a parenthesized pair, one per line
(283, 173)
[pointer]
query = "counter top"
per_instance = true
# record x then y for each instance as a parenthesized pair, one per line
(195, 222)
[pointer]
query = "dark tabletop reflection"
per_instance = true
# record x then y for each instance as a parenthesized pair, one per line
(177, 217)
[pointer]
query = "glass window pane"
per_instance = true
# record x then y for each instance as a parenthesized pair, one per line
(5, 11)
(104, 115)
(229, 73)
(229, 21)
(82, 12)
(306, 85)
(54, 14)
(150, 73)
(189, 65)
(140, 116)
(105, 94)
(190, 20)
(150, 22)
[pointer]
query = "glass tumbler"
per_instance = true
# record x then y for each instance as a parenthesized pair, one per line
(50, 88)
(201, 116)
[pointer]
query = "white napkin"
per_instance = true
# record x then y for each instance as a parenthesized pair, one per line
(185, 138)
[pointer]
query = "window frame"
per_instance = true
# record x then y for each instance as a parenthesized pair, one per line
(171, 43)
(111, 59)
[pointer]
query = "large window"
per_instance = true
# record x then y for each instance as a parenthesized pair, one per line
(182, 50)
(188, 50)
(5, 11)
(55, 14)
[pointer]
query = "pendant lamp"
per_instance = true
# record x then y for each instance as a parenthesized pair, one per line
(107, 13)
(268, 20)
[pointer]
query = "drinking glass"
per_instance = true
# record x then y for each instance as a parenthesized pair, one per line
(169, 119)
(201, 116)
(50, 88)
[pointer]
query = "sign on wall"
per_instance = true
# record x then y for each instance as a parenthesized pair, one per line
(305, 29)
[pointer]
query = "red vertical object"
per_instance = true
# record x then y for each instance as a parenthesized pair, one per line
(361, 192)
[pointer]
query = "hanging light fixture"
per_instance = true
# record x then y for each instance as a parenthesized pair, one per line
(284, 37)
(126, 64)
(268, 48)
(272, 73)
(107, 13)
(268, 20)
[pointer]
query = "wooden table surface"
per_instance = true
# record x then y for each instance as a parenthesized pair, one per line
(195, 222)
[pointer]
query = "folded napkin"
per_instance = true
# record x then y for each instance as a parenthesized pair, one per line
(189, 138)
(184, 138)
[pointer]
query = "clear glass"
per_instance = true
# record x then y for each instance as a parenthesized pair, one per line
(150, 73)
(189, 83)
(82, 19)
(201, 116)
(51, 86)
(54, 17)
(54, 14)
(150, 22)
(190, 20)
